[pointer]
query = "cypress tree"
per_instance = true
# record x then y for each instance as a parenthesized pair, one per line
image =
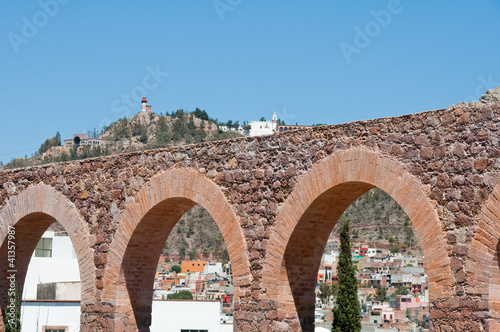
(346, 312)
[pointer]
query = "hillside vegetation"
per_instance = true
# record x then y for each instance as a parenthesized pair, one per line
(142, 131)
(196, 235)
(375, 217)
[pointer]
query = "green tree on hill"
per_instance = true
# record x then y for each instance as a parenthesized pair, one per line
(54, 141)
(395, 249)
(179, 127)
(346, 312)
(201, 134)
(200, 114)
(162, 134)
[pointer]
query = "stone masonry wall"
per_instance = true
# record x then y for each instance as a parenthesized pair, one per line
(453, 155)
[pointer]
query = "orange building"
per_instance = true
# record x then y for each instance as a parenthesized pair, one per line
(193, 266)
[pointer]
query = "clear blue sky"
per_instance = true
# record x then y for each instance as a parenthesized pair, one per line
(66, 68)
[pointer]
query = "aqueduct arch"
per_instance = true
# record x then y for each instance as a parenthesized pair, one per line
(146, 224)
(483, 266)
(307, 218)
(31, 212)
(442, 167)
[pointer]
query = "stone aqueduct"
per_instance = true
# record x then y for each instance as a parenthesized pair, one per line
(275, 199)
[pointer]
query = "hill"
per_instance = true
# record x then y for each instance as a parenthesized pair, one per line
(375, 217)
(196, 236)
(142, 131)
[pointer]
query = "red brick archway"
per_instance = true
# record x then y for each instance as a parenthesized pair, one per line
(483, 267)
(307, 217)
(144, 228)
(31, 212)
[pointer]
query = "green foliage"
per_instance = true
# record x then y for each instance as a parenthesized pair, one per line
(346, 312)
(176, 268)
(192, 254)
(221, 135)
(355, 234)
(409, 234)
(182, 295)
(200, 114)
(178, 114)
(201, 134)
(395, 249)
(162, 134)
(121, 130)
(204, 235)
(167, 260)
(381, 294)
(183, 128)
(327, 291)
(190, 135)
(140, 131)
(179, 127)
(49, 143)
(400, 290)
(383, 216)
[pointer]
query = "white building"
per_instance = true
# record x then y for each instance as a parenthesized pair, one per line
(330, 257)
(213, 269)
(52, 292)
(145, 108)
(84, 140)
(178, 315)
(372, 252)
(259, 128)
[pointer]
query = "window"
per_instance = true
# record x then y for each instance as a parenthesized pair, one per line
(44, 248)
(55, 329)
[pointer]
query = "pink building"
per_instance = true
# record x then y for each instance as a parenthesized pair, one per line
(381, 313)
(403, 302)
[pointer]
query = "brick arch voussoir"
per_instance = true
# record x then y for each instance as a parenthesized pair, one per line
(483, 265)
(360, 165)
(177, 183)
(47, 201)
